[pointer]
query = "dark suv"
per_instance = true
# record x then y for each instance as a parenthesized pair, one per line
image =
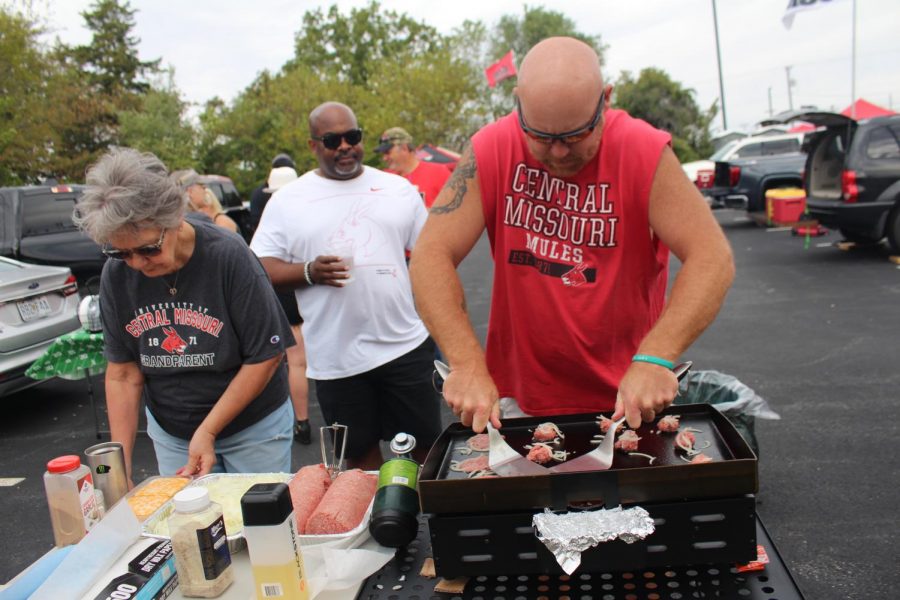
(36, 227)
(852, 176)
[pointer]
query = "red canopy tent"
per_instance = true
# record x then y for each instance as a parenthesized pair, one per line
(801, 127)
(866, 110)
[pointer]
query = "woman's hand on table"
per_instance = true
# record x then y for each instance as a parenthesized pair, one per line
(201, 454)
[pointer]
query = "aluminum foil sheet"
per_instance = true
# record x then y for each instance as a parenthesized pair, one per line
(567, 535)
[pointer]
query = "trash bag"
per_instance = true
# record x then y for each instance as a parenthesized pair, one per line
(740, 404)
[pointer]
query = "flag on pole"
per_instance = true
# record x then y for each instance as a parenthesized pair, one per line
(500, 70)
(795, 6)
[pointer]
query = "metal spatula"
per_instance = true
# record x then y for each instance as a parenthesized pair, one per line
(505, 461)
(598, 459)
(601, 457)
(502, 459)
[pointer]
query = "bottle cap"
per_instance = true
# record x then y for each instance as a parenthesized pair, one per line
(266, 504)
(403, 443)
(64, 464)
(192, 499)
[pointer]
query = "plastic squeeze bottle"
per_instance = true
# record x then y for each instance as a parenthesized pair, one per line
(199, 541)
(271, 533)
(70, 495)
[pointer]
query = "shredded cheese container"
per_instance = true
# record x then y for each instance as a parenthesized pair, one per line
(199, 542)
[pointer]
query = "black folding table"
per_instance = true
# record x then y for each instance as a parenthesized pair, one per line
(400, 580)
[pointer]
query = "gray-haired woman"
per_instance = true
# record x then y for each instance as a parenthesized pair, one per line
(190, 322)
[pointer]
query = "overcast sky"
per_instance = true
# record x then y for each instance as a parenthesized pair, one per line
(219, 46)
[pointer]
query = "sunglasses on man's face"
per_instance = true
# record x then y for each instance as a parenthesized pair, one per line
(567, 137)
(148, 251)
(332, 141)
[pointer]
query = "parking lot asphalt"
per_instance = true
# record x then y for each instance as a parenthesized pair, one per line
(812, 330)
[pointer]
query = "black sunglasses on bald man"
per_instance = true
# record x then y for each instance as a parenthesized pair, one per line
(332, 141)
(567, 137)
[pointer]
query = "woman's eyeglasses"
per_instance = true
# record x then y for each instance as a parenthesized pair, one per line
(567, 137)
(332, 141)
(148, 251)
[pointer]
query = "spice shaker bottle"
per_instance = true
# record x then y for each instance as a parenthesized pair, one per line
(202, 558)
(395, 509)
(270, 529)
(70, 496)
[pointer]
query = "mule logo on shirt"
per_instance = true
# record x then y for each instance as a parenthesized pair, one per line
(575, 277)
(173, 344)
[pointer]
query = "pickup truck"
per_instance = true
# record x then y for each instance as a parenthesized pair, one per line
(701, 172)
(743, 183)
(36, 227)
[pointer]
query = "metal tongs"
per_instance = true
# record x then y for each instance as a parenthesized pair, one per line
(331, 459)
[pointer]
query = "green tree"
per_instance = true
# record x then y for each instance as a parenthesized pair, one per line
(665, 104)
(404, 73)
(24, 126)
(111, 59)
(159, 125)
(520, 34)
(101, 80)
(347, 46)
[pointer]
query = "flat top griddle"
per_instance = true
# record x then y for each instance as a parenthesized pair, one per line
(631, 479)
(577, 439)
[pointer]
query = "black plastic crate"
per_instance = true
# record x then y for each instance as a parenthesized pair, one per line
(721, 530)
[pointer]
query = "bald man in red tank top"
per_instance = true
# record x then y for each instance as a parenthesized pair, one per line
(582, 204)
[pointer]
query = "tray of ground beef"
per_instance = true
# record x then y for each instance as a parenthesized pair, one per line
(689, 452)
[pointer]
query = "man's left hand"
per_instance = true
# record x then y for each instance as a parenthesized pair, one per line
(645, 391)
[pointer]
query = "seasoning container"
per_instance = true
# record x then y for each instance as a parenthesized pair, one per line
(395, 509)
(271, 533)
(202, 558)
(70, 496)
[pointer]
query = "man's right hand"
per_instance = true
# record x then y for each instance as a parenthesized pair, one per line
(472, 396)
(329, 270)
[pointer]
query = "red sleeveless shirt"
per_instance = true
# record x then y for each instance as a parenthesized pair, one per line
(579, 279)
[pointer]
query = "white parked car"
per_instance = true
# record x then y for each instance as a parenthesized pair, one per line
(701, 172)
(37, 304)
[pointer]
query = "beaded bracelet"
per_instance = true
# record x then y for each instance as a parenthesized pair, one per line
(649, 358)
(306, 274)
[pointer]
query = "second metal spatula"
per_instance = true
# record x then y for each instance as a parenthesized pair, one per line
(601, 457)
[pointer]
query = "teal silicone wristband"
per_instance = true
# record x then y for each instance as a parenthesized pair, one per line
(647, 358)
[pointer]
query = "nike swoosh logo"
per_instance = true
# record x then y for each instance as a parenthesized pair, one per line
(375, 189)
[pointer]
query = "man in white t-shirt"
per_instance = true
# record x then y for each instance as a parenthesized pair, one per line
(338, 236)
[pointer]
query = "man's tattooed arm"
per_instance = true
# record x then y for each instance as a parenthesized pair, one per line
(457, 183)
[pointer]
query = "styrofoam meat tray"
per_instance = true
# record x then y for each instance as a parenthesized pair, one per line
(153, 525)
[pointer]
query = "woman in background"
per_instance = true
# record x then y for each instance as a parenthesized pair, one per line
(202, 199)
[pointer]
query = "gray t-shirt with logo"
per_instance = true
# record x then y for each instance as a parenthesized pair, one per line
(190, 345)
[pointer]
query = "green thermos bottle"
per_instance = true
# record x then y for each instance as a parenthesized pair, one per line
(395, 510)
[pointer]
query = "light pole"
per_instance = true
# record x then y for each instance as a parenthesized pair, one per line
(719, 60)
(790, 83)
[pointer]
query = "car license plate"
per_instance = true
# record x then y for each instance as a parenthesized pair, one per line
(34, 308)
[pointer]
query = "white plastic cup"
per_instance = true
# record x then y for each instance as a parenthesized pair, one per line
(348, 261)
(345, 252)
